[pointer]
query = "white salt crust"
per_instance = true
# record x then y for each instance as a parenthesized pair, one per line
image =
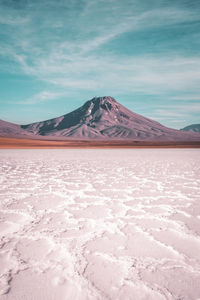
(100, 224)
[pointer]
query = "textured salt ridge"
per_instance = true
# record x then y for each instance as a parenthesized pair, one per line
(100, 224)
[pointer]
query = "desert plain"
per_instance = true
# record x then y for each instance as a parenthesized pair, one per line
(100, 224)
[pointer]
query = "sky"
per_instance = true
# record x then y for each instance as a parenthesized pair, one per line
(57, 54)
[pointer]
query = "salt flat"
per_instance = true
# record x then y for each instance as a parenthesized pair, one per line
(100, 224)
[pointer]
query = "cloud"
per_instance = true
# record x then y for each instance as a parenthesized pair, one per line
(72, 58)
(176, 112)
(144, 74)
(65, 44)
(9, 20)
(11, 17)
(189, 97)
(43, 96)
(167, 112)
(177, 116)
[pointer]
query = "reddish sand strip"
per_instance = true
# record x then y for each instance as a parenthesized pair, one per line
(7, 143)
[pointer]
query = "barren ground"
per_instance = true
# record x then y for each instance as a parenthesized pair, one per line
(100, 224)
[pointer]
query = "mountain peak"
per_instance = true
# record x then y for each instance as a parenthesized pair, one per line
(106, 103)
(104, 99)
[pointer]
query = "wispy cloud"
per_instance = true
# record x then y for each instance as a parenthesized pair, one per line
(167, 112)
(188, 108)
(68, 46)
(13, 21)
(153, 75)
(189, 97)
(74, 64)
(42, 97)
(177, 113)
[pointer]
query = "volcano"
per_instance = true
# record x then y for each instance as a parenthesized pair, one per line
(105, 118)
(101, 118)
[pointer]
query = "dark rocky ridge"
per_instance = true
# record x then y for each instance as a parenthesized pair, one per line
(192, 128)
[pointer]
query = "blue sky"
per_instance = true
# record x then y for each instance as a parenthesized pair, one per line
(56, 54)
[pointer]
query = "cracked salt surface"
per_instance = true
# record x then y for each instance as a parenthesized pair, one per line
(100, 224)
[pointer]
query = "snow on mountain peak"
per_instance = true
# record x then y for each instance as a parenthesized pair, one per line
(103, 104)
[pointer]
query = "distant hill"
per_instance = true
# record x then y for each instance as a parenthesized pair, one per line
(8, 129)
(193, 127)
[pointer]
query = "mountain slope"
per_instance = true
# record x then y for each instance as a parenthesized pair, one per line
(193, 127)
(105, 118)
(8, 129)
